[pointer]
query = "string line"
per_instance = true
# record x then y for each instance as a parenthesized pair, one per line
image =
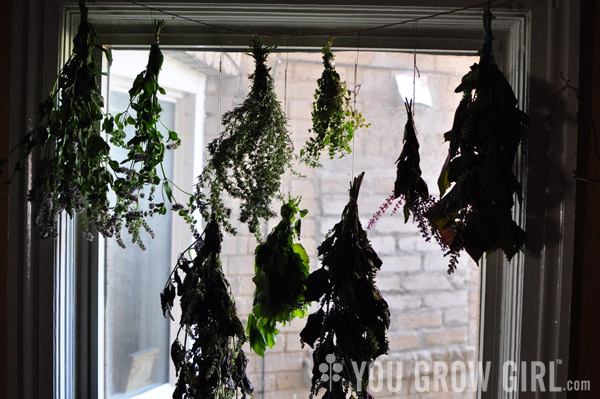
(285, 105)
(220, 97)
(414, 82)
(307, 34)
(355, 93)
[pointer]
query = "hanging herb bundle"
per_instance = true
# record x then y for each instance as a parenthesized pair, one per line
(476, 214)
(281, 270)
(409, 188)
(73, 174)
(146, 149)
(251, 154)
(352, 321)
(335, 119)
(211, 364)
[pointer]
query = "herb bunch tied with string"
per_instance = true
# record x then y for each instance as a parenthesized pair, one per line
(146, 149)
(281, 269)
(209, 362)
(335, 120)
(253, 151)
(476, 213)
(409, 188)
(73, 173)
(353, 318)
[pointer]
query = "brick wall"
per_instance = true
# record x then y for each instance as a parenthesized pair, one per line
(434, 316)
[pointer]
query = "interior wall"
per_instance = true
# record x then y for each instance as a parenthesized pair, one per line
(5, 33)
(585, 346)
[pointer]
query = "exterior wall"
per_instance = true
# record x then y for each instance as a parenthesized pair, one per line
(435, 317)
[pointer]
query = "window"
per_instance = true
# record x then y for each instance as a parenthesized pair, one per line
(505, 300)
(433, 315)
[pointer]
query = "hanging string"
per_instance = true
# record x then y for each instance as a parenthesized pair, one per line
(414, 82)
(285, 107)
(355, 93)
(220, 97)
(304, 34)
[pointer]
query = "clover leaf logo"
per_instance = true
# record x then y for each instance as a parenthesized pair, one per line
(330, 370)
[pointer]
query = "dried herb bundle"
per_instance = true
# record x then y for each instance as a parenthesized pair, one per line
(146, 149)
(212, 363)
(281, 270)
(73, 174)
(334, 118)
(409, 183)
(254, 149)
(409, 187)
(476, 214)
(353, 319)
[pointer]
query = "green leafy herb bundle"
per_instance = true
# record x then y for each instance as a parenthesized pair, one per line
(476, 214)
(251, 154)
(212, 363)
(73, 173)
(146, 149)
(334, 118)
(281, 269)
(353, 319)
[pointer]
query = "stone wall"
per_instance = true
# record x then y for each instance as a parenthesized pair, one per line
(435, 316)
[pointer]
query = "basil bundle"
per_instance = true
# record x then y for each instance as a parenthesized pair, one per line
(212, 363)
(476, 214)
(253, 150)
(281, 270)
(334, 119)
(353, 318)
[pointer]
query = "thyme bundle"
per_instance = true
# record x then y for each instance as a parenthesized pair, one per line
(146, 149)
(281, 270)
(212, 363)
(334, 119)
(253, 150)
(476, 214)
(353, 318)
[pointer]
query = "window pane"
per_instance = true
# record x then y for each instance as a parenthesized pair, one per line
(434, 316)
(136, 333)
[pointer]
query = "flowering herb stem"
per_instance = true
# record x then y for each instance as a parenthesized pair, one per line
(73, 175)
(146, 149)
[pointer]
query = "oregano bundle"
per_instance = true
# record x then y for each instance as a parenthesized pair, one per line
(146, 149)
(209, 361)
(334, 118)
(252, 152)
(476, 213)
(353, 318)
(281, 269)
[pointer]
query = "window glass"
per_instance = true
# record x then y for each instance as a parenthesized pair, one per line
(434, 316)
(136, 334)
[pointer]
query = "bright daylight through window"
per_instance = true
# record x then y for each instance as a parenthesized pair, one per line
(434, 316)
